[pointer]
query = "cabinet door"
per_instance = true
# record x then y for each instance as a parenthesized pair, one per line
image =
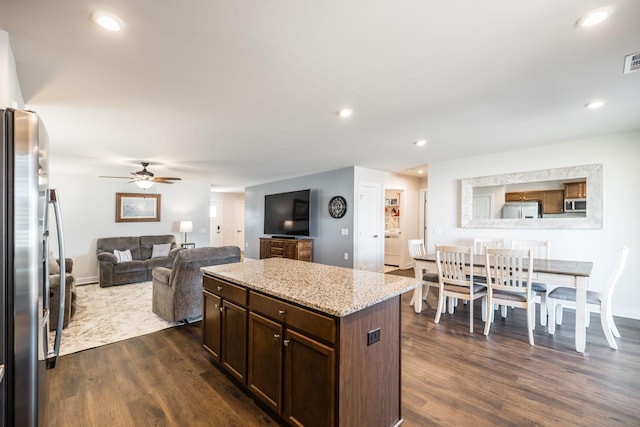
(309, 381)
(265, 248)
(553, 202)
(291, 250)
(512, 197)
(575, 190)
(234, 340)
(264, 377)
(211, 322)
(532, 195)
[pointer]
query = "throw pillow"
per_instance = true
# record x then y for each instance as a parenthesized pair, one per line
(160, 250)
(54, 268)
(122, 256)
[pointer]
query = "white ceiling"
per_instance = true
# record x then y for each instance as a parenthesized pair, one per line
(241, 92)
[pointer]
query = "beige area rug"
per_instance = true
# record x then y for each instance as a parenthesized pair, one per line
(107, 315)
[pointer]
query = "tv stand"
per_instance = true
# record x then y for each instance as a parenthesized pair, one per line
(286, 247)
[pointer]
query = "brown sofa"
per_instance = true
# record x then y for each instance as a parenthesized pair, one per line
(111, 272)
(177, 293)
(54, 294)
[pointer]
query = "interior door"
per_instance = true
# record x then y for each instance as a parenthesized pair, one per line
(370, 249)
(215, 218)
(240, 224)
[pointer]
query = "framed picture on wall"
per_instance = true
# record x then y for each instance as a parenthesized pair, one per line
(136, 207)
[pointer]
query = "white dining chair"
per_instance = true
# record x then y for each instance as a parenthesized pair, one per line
(455, 279)
(417, 249)
(509, 275)
(482, 243)
(540, 249)
(597, 302)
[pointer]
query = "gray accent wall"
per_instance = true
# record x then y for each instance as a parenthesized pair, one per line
(329, 245)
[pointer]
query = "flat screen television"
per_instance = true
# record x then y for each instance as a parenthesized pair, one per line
(287, 214)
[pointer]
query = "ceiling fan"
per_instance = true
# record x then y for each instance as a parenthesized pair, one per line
(145, 179)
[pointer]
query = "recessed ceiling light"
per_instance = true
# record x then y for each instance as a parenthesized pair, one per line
(593, 105)
(421, 142)
(108, 21)
(595, 17)
(420, 171)
(345, 113)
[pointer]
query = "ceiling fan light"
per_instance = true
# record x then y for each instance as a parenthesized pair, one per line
(144, 184)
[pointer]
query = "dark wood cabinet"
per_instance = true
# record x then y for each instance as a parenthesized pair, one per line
(273, 247)
(308, 393)
(234, 344)
(299, 361)
(211, 324)
(265, 360)
(575, 190)
(224, 329)
(280, 355)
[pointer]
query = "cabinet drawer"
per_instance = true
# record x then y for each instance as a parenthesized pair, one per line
(277, 244)
(226, 290)
(277, 252)
(304, 320)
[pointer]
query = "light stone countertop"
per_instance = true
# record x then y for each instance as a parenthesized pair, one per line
(337, 291)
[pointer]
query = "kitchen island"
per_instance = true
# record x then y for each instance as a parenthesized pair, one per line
(318, 345)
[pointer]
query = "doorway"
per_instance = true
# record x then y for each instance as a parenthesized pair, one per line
(393, 240)
(215, 223)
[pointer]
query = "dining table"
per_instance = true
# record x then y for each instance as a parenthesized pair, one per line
(552, 272)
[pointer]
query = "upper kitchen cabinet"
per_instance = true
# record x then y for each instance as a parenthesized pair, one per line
(575, 190)
(524, 196)
(553, 202)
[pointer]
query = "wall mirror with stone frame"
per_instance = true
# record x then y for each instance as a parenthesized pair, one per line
(488, 201)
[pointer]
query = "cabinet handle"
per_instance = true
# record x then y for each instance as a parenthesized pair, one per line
(215, 305)
(286, 343)
(282, 312)
(221, 309)
(276, 337)
(219, 288)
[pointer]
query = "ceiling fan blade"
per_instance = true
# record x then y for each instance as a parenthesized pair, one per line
(166, 178)
(162, 182)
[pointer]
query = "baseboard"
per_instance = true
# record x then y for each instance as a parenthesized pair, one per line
(86, 280)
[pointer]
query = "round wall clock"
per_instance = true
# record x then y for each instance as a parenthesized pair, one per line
(337, 207)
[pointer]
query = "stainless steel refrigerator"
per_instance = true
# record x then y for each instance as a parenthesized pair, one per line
(527, 210)
(25, 205)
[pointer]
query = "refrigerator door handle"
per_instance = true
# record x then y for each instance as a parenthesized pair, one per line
(52, 357)
(46, 303)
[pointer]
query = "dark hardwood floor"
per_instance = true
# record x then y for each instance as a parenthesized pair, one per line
(449, 377)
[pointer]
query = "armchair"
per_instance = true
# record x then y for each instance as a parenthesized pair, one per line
(177, 292)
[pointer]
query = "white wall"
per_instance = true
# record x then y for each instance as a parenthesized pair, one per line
(88, 206)
(619, 155)
(10, 92)
(228, 215)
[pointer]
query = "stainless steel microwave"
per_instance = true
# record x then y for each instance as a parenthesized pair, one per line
(575, 205)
